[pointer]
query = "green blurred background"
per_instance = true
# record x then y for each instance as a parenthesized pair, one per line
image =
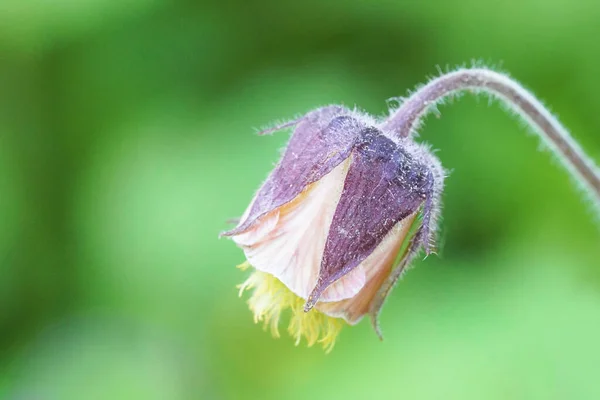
(127, 140)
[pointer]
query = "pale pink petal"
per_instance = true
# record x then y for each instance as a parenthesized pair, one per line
(260, 230)
(377, 267)
(289, 241)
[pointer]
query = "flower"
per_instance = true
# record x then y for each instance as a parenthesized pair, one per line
(335, 223)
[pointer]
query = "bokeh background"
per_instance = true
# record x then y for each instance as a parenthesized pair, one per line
(127, 140)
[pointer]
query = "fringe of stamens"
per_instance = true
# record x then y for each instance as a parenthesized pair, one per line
(270, 298)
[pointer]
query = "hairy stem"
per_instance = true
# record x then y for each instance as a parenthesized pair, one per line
(406, 119)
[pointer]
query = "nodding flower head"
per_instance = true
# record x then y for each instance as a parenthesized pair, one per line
(353, 200)
(336, 222)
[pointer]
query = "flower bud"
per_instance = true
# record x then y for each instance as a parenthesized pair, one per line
(336, 222)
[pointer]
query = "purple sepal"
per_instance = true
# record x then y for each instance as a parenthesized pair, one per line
(321, 141)
(384, 185)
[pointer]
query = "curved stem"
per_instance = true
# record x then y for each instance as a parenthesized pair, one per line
(406, 119)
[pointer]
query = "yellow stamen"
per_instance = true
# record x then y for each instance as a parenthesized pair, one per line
(270, 298)
(243, 266)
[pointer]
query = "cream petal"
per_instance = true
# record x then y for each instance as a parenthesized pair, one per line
(265, 226)
(289, 241)
(377, 266)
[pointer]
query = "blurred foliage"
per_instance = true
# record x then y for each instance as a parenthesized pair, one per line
(126, 142)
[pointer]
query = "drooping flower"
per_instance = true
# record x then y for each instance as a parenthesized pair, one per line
(336, 223)
(354, 199)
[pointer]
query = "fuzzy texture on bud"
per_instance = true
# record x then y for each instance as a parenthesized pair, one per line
(336, 222)
(354, 199)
